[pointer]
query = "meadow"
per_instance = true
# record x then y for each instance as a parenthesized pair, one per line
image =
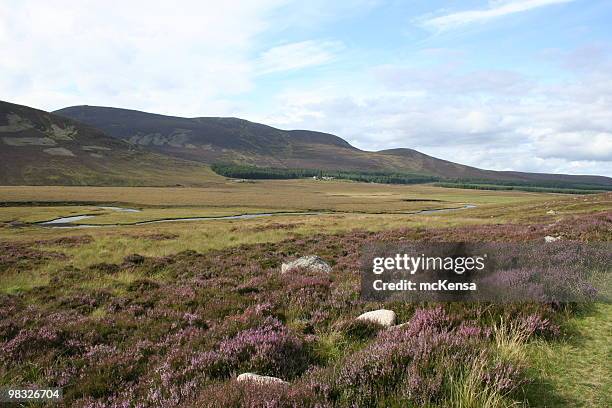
(168, 314)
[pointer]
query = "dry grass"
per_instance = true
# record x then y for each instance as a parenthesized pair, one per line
(112, 244)
(296, 194)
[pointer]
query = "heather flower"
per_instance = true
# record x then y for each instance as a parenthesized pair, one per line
(537, 325)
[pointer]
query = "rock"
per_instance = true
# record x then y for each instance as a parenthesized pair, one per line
(59, 151)
(401, 325)
(261, 379)
(383, 317)
(551, 212)
(311, 262)
(548, 238)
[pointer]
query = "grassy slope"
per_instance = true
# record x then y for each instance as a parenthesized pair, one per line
(577, 371)
(30, 140)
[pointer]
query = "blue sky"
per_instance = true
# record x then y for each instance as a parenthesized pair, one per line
(500, 84)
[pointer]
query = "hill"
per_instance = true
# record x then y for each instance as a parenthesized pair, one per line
(231, 140)
(40, 148)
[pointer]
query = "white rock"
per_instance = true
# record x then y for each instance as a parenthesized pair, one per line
(551, 212)
(383, 317)
(262, 379)
(548, 238)
(310, 262)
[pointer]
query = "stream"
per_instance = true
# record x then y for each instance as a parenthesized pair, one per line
(68, 222)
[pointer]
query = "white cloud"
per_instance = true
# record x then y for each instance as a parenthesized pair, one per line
(298, 55)
(476, 118)
(586, 145)
(155, 56)
(495, 9)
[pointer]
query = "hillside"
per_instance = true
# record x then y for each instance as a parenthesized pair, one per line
(40, 148)
(231, 140)
(217, 139)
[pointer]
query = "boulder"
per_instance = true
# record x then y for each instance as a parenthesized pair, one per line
(261, 379)
(548, 238)
(383, 317)
(311, 263)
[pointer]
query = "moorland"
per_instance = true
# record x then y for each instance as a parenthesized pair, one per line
(168, 314)
(141, 265)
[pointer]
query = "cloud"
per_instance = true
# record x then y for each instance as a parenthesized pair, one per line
(495, 10)
(219, 60)
(576, 146)
(297, 55)
(448, 78)
(187, 60)
(486, 118)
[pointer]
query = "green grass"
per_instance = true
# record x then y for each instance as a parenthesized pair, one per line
(577, 371)
(18, 282)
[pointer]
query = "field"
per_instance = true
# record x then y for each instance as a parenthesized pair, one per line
(168, 314)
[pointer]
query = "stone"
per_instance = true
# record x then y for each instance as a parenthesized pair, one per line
(383, 317)
(311, 263)
(549, 238)
(261, 379)
(59, 151)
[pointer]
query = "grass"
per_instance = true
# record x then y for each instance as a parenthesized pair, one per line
(467, 391)
(294, 194)
(575, 371)
(28, 214)
(15, 283)
(583, 381)
(509, 341)
(112, 244)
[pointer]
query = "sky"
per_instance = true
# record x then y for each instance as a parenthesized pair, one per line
(501, 84)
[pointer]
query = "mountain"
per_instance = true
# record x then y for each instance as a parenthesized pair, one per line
(212, 140)
(231, 140)
(40, 148)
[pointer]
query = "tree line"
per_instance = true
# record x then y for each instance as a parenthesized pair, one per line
(393, 177)
(252, 172)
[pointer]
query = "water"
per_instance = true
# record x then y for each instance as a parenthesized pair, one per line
(120, 209)
(436, 210)
(65, 222)
(74, 218)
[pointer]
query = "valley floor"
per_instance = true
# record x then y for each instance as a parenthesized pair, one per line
(114, 313)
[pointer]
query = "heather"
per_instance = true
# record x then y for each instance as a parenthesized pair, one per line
(175, 330)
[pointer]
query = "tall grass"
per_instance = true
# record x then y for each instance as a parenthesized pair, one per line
(467, 389)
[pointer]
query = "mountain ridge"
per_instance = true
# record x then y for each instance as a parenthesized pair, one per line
(40, 148)
(239, 141)
(87, 145)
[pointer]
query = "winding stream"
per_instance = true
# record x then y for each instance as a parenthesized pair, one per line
(68, 222)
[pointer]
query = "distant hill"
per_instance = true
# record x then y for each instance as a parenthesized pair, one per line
(40, 148)
(231, 140)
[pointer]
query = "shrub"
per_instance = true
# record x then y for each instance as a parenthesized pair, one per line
(269, 349)
(359, 330)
